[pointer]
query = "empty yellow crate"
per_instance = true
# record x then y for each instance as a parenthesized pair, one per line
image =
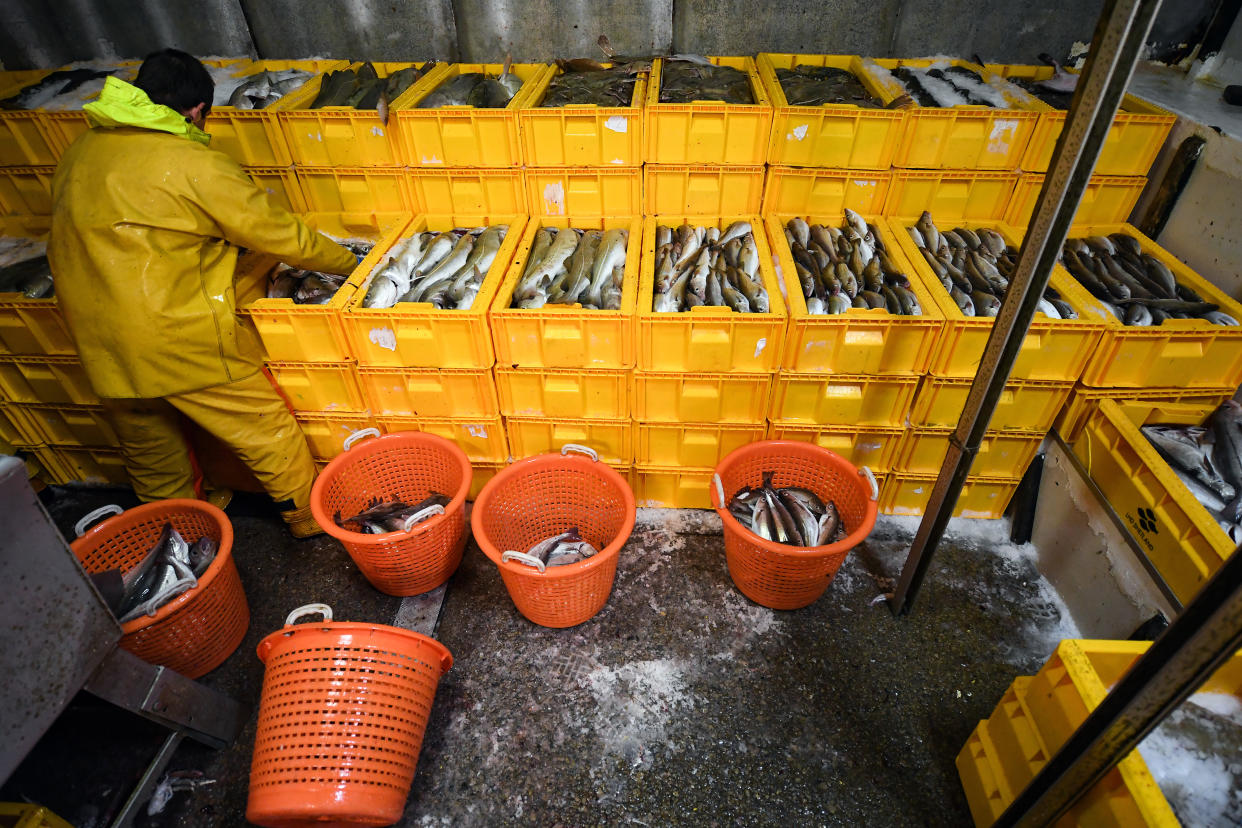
(568, 336)
(690, 444)
(1190, 353)
(281, 183)
(987, 791)
(58, 380)
(463, 136)
(466, 191)
(433, 392)
(981, 497)
(831, 135)
(951, 195)
(1085, 399)
(481, 438)
(582, 192)
(874, 448)
(68, 425)
(960, 137)
(481, 473)
(1024, 405)
(569, 393)
(326, 431)
(613, 440)
(341, 135)
(672, 487)
(356, 189)
(842, 399)
(871, 341)
(1181, 538)
(670, 397)
(708, 132)
(83, 464)
(26, 191)
(291, 332)
(710, 339)
(581, 135)
(1107, 199)
(1020, 753)
(1002, 454)
(792, 191)
(700, 189)
(319, 386)
(1055, 350)
(419, 335)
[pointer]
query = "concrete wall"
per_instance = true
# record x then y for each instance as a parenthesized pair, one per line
(38, 33)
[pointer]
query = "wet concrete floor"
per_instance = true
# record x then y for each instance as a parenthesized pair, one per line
(680, 703)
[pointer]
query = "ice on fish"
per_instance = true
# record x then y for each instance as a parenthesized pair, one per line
(944, 93)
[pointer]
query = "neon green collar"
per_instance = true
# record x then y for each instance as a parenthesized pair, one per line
(124, 105)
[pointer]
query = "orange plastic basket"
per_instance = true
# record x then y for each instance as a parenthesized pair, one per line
(405, 466)
(543, 496)
(196, 631)
(777, 575)
(341, 721)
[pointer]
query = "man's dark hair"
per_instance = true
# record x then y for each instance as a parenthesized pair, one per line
(175, 79)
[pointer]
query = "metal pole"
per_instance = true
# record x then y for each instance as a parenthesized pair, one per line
(1202, 638)
(1119, 37)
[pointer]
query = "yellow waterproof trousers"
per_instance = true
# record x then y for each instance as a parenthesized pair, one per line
(247, 415)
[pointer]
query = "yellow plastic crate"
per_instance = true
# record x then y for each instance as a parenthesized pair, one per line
(341, 136)
(565, 392)
(1190, 353)
(31, 326)
(68, 425)
(89, 464)
(871, 341)
(875, 448)
(670, 397)
(481, 438)
(27, 139)
(16, 426)
(709, 339)
(584, 191)
(59, 380)
(26, 191)
(467, 191)
(65, 126)
(672, 487)
(1054, 350)
(319, 386)
(432, 392)
(254, 136)
(356, 190)
(481, 473)
(1019, 751)
(1107, 199)
(961, 137)
(1184, 541)
(690, 444)
(1138, 132)
(987, 791)
(700, 189)
(567, 336)
(1085, 399)
(326, 431)
(1024, 405)
(1001, 455)
(793, 191)
(842, 399)
(463, 136)
(282, 184)
(982, 497)
(954, 195)
(29, 816)
(581, 135)
(708, 132)
(315, 333)
(612, 439)
(418, 335)
(831, 135)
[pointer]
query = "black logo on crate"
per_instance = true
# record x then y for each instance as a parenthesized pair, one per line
(1147, 520)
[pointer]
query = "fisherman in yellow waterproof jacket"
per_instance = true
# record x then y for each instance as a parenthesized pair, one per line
(147, 222)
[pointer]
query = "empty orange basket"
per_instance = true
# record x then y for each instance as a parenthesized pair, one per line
(196, 631)
(407, 466)
(341, 721)
(777, 575)
(546, 495)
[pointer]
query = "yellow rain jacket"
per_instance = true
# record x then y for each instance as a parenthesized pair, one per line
(146, 225)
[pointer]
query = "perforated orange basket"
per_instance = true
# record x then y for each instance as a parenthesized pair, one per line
(546, 495)
(407, 466)
(341, 720)
(196, 631)
(774, 574)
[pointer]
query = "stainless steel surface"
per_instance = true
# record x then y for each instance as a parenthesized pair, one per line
(141, 794)
(1115, 49)
(546, 29)
(54, 628)
(353, 29)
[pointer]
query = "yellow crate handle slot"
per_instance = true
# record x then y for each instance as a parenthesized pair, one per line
(308, 609)
(875, 487)
(581, 449)
(79, 528)
(360, 434)
(718, 491)
(522, 557)
(430, 511)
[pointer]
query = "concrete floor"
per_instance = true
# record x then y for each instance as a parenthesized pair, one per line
(680, 703)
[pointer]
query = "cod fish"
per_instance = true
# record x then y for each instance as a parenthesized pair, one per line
(791, 515)
(164, 573)
(30, 277)
(383, 517)
(262, 89)
(563, 549)
(699, 265)
(1208, 461)
(62, 82)
(445, 269)
(570, 266)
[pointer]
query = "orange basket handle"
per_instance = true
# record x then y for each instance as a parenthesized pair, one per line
(522, 557)
(581, 449)
(718, 491)
(360, 434)
(422, 514)
(875, 487)
(80, 527)
(309, 609)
